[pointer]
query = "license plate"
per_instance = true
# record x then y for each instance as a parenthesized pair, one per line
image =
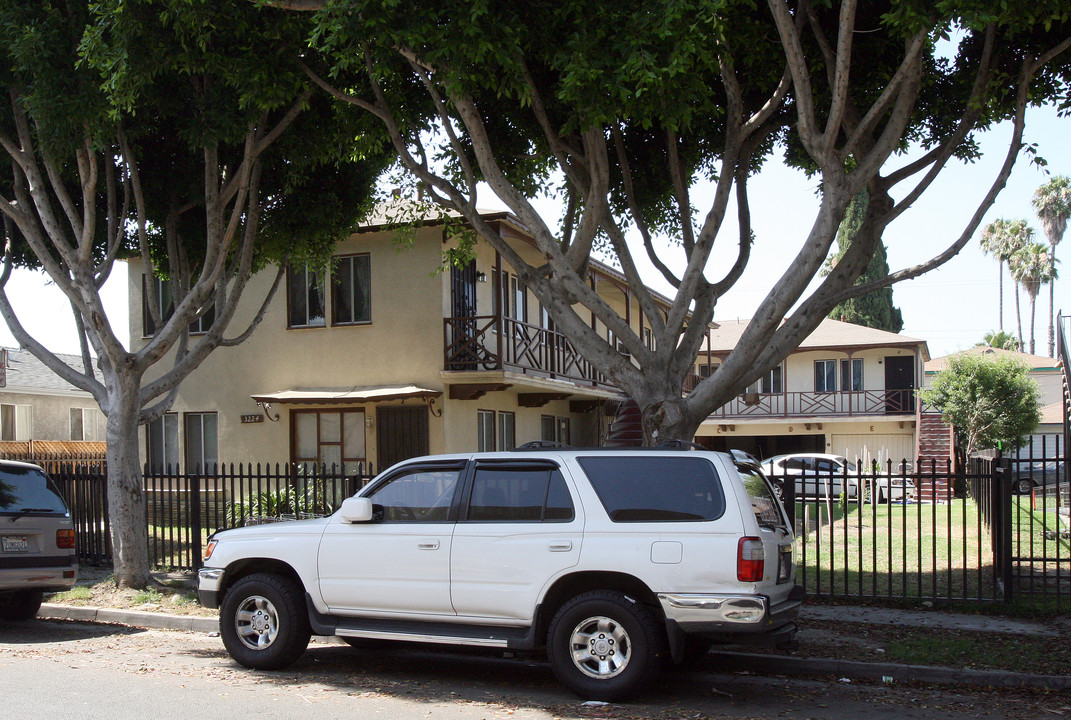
(15, 544)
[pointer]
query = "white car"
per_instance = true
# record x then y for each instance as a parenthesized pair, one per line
(610, 559)
(819, 474)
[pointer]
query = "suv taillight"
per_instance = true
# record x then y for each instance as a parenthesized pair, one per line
(65, 539)
(750, 560)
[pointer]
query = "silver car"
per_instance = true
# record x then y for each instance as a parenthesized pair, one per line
(37, 548)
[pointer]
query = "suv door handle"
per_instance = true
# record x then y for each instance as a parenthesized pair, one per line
(561, 546)
(428, 545)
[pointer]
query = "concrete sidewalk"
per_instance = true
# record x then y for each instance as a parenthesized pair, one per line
(749, 662)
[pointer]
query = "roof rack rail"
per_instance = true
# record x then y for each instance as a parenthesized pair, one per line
(543, 445)
(679, 445)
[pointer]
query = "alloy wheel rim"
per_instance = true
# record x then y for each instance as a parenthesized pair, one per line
(600, 647)
(257, 622)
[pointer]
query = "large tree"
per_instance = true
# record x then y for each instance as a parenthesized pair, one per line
(1052, 203)
(163, 130)
(989, 402)
(875, 309)
(627, 103)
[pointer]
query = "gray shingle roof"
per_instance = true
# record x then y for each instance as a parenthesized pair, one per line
(26, 372)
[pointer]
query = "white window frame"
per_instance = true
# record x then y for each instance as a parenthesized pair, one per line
(828, 377)
(485, 430)
(853, 368)
(91, 418)
(507, 430)
(193, 424)
(355, 273)
(163, 431)
(302, 275)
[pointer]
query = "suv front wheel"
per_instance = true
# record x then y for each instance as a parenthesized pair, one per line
(264, 622)
(604, 645)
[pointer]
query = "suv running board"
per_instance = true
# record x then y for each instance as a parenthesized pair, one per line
(488, 636)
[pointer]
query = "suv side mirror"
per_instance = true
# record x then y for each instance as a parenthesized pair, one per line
(356, 510)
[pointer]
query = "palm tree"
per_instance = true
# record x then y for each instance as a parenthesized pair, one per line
(1052, 202)
(1002, 239)
(999, 339)
(1032, 267)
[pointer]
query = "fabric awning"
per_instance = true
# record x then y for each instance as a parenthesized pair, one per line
(325, 396)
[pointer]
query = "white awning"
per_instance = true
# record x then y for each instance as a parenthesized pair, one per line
(323, 396)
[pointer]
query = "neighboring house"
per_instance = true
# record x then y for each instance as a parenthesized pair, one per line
(1047, 373)
(847, 390)
(385, 356)
(37, 405)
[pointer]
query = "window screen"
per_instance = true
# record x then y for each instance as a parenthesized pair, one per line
(656, 489)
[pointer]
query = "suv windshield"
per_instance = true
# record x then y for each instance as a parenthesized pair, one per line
(28, 490)
(656, 489)
(763, 500)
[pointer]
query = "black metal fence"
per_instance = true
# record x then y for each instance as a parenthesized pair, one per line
(996, 531)
(182, 509)
(979, 534)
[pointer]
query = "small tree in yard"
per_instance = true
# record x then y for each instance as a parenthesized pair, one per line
(988, 401)
(163, 131)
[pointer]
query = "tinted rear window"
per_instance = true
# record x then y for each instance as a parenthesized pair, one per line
(28, 490)
(656, 489)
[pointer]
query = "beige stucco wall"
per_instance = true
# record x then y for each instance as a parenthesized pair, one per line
(403, 344)
(52, 413)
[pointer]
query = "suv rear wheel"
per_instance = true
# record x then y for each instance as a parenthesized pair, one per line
(264, 622)
(20, 605)
(603, 645)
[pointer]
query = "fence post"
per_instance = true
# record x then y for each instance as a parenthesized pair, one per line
(1001, 525)
(195, 518)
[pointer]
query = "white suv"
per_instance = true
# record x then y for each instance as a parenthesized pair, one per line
(611, 559)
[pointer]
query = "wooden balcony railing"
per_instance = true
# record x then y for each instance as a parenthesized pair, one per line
(819, 404)
(488, 342)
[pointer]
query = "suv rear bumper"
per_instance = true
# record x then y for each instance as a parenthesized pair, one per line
(709, 613)
(46, 579)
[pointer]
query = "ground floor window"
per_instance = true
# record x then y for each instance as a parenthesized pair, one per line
(202, 442)
(162, 443)
(87, 424)
(16, 423)
(507, 431)
(485, 437)
(333, 438)
(555, 429)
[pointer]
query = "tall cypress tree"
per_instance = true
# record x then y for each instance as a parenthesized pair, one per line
(875, 309)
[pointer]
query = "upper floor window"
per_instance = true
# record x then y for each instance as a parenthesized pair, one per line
(770, 383)
(707, 369)
(514, 298)
(851, 374)
(16, 423)
(305, 298)
(161, 290)
(648, 338)
(351, 295)
(825, 375)
(87, 424)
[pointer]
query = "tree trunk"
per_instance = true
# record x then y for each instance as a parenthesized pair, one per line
(126, 496)
(1019, 318)
(1000, 291)
(1052, 300)
(1033, 318)
(668, 420)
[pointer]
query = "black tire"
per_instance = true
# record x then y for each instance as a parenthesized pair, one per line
(589, 636)
(1023, 486)
(264, 622)
(20, 605)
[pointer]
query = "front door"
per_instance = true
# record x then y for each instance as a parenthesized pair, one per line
(899, 385)
(401, 433)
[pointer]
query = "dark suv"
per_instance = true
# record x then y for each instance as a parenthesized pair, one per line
(37, 552)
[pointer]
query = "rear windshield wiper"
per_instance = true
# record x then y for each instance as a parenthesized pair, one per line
(27, 510)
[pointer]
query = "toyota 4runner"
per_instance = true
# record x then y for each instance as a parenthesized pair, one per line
(613, 560)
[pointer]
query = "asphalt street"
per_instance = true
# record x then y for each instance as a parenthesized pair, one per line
(52, 669)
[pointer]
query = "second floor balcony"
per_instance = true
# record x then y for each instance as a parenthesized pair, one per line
(493, 342)
(819, 404)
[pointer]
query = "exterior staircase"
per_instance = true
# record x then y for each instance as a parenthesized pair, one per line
(626, 430)
(935, 449)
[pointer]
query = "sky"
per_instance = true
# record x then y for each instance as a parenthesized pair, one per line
(951, 308)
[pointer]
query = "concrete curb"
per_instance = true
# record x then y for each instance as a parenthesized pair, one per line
(798, 666)
(721, 660)
(134, 618)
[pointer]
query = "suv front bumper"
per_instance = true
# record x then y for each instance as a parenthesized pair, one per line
(209, 581)
(708, 613)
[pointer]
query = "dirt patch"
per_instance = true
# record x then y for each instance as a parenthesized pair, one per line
(176, 593)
